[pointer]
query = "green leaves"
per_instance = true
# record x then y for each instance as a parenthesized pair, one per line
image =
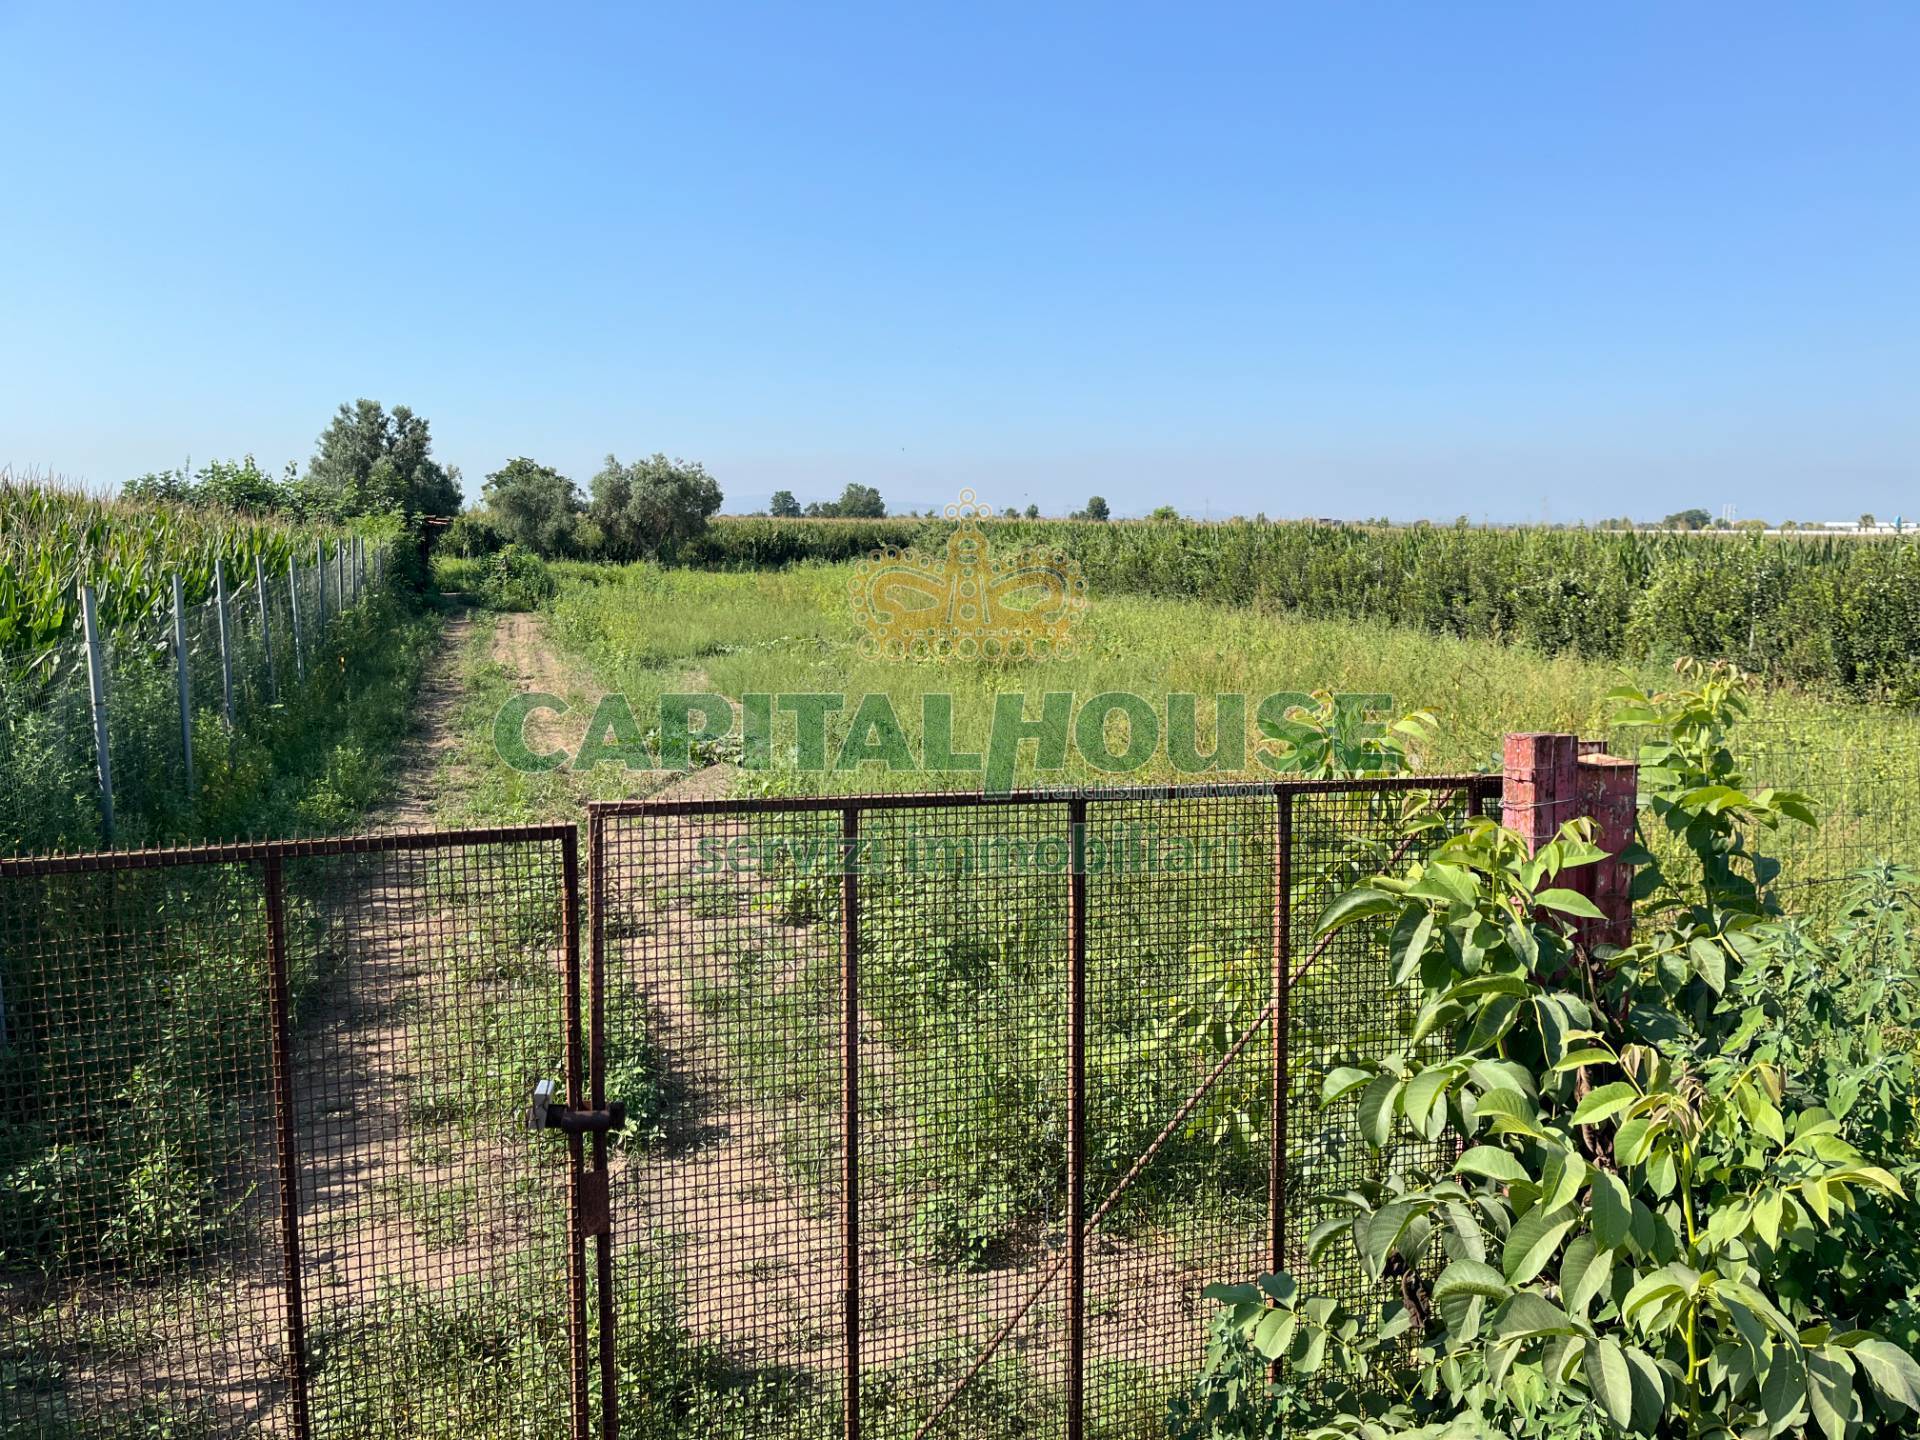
(1354, 906)
(1604, 1102)
(1470, 1277)
(1610, 1378)
(1533, 1241)
(1492, 1163)
(1642, 1208)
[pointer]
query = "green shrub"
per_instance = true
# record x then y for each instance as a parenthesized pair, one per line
(1652, 1219)
(516, 579)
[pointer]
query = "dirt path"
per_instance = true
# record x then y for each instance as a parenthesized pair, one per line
(756, 1249)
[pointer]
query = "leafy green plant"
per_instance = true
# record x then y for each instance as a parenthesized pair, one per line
(516, 579)
(1631, 1186)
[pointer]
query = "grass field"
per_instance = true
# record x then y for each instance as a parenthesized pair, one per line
(724, 1008)
(964, 985)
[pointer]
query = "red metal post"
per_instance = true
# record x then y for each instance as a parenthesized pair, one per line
(1076, 1116)
(1282, 985)
(279, 1001)
(576, 1068)
(850, 1108)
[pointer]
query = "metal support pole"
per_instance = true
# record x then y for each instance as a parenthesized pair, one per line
(97, 688)
(1282, 988)
(850, 1113)
(1076, 1118)
(340, 574)
(184, 679)
(597, 1093)
(576, 1143)
(226, 642)
(279, 998)
(293, 602)
(320, 581)
(266, 628)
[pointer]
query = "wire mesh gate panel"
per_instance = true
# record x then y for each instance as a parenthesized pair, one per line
(956, 1103)
(265, 1166)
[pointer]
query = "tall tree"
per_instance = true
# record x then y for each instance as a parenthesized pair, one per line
(784, 505)
(371, 459)
(860, 502)
(536, 506)
(1096, 509)
(652, 507)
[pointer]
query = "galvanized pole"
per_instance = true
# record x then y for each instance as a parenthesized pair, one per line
(185, 680)
(97, 686)
(320, 580)
(293, 602)
(340, 574)
(266, 628)
(226, 643)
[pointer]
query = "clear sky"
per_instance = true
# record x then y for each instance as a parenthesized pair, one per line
(1326, 259)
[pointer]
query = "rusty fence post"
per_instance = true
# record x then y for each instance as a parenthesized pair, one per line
(279, 1003)
(601, 1177)
(1282, 986)
(1076, 1116)
(850, 1110)
(576, 1100)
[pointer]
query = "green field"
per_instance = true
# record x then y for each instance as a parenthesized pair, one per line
(963, 984)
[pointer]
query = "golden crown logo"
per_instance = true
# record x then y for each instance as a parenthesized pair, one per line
(968, 602)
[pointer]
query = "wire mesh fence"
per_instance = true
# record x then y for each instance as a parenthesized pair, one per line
(264, 1164)
(964, 1100)
(1863, 779)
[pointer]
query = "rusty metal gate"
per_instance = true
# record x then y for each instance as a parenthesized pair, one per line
(955, 1103)
(264, 1164)
(888, 1115)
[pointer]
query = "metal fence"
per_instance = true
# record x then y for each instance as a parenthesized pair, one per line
(896, 1116)
(98, 740)
(966, 1098)
(263, 1159)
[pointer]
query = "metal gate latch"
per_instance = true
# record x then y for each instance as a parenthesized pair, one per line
(547, 1113)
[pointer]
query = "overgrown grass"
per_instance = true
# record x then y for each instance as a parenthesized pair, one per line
(1837, 614)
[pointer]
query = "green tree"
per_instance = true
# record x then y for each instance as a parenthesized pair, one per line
(784, 506)
(860, 502)
(1694, 519)
(369, 459)
(536, 506)
(1096, 509)
(228, 484)
(652, 507)
(1033, 512)
(1867, 521)
(1164, 514)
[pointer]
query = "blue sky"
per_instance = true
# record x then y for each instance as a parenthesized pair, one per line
(1406, 259)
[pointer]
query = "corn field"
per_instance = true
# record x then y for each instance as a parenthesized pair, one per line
(178, 698)
(1841, 616)
(54, 541)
